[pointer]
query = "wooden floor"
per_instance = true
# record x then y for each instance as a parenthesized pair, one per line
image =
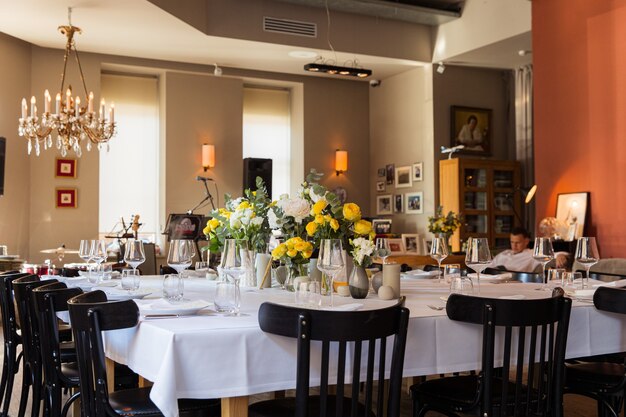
(575, 406)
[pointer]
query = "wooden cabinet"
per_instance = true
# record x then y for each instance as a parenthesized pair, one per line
(485, 193)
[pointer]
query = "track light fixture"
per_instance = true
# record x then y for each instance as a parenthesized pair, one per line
(441, 68)
(336, 70)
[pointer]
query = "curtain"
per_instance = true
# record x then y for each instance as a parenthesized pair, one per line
(524, 134)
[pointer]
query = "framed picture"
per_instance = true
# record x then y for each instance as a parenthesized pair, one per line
(571, 208)
(390, 171)
(65, 168)
(414, 203)
(395, 246)
(381, 226)
(383, 204)
(380, 186)
(66, 197)
(418, 167)
(341, 194)
(471, 127)
(398, 203)
(382, 172)
(403, 177)
(410, 243)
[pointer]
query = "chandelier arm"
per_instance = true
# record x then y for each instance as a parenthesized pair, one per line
(68, 47)
(80, 68)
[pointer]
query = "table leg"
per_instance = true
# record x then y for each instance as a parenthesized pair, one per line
(235, 406)
(110, 368)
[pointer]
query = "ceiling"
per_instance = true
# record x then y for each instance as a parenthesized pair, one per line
(138, 28)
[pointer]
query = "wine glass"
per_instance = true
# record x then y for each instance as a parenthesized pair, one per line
(234, 265)
(134, 254)
(84, 252)
(330, 261)
(587, 253)
(98, 255)
(543, 253)
(180, 254)
(478, 256)
(439, 252)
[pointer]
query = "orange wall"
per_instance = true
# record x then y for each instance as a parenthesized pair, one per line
(579, 53)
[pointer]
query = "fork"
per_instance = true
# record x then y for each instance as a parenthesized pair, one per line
(437, 308)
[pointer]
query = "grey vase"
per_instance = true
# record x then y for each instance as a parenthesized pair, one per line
(377, 281)
(358, 282)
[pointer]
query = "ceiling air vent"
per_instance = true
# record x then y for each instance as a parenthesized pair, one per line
(289, 27)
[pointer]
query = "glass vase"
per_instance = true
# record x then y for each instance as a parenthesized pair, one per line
(248, 257)
(358, 282)
(296, 270)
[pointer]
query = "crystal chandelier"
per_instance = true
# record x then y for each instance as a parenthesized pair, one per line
(72, 124)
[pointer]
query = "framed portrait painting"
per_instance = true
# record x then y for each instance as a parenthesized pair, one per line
(471, 127)
(414, 203)
(404, 178)
(65, 168)
(66, 198)
(571, 208)
(383, 204)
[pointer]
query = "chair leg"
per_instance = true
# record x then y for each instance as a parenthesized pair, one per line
(5, 373)
(24, 395)
(70, 401)
(37, 397)
(13, 364)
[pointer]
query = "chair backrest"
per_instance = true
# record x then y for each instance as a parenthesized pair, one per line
(7, 306)
(602, 276)
(610, 299)
(164, 269)
(49, 300)
(539, 391)
(526, 277)
(341, 329)
(90, 314)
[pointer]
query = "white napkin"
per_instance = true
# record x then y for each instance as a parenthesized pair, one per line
(488, 277)
(512, 297)
(617, 284)
(584, 293)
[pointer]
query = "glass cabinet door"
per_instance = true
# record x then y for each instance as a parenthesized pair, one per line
(475, 177)
(475, 200)
(502, 179)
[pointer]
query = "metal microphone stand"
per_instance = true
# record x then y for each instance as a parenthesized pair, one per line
(207, 197)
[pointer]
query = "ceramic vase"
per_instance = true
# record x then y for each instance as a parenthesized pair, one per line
(358, 282)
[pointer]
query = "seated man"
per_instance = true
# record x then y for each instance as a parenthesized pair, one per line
(520, 258)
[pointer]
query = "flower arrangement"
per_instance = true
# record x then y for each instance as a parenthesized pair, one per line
(443, 224)
(295, 250)
(242, 218)
(363, 249)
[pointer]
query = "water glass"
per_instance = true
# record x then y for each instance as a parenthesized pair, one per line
(201, 266)
(556, 277)
(130, 280)
(224, 296)
(280, 271)
(461, 285)
(309, 294)
(105, 271)
(451, 271)
(173, 287)
(575, 281)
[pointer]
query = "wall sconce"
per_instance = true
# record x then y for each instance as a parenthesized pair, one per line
(208, 156)
(341, 161)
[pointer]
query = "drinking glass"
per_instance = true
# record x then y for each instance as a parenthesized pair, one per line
(134, 254)
(224, 296)
(173, 287)
(451, 271)
(478, 256)
(587, 253)
(572, 279)
(130, 280)
(308, 294)
(543, 253)
(330, 261)
(461, 285)
(84, 252)
(98, 254)
(280, 272)
(234, 265)
(439, 252)
(180, 254)
(556, 277)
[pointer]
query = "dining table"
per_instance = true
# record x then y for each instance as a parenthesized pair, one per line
(213, 355)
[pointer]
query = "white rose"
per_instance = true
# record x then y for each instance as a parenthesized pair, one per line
(257, 221)
(298, 208)
(272, 219)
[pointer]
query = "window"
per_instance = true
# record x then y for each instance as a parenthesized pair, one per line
(129, 172)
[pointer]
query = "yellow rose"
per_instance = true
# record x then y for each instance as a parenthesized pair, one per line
(319, 219)
(311, 228)
(307, 254)
(351, 212)
(243, 205)
(279, 251)
(206, 230)
(362, 227)
(292, 253)
(301, 246)
(334, 224)
(213, 224)
(319, 207)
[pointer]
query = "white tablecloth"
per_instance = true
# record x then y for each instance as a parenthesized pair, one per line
(213, 356)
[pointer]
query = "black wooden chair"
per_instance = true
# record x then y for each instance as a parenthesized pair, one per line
(534, 334)
(11, 360)
(48, 301)
(603, 381)
(90, 314)
(344, 331)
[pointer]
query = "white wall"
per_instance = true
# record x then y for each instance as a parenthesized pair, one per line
(401, 133)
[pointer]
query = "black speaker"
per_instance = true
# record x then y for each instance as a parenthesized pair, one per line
(257, 167)
(3, 152)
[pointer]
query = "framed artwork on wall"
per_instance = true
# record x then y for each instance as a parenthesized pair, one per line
(471, 127)
(403, 177)
(571, 208)
(383, 204)
(418, 169)
(398, 203)
(414, 203)
(390, 170)
(66, 197)
(381, 226)
(382, 172)
(380, 186)
(65, 168)
(395, 246)
(410, 242)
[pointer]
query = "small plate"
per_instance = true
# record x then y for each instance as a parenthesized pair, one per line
(114, 294)
(165, 307)
(419, 274)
